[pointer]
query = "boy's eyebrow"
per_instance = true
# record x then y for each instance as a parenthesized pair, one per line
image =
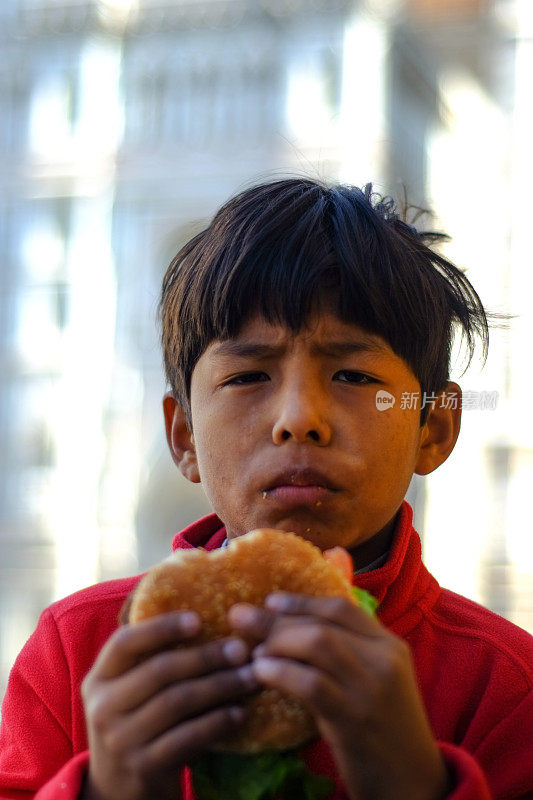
(334, 349)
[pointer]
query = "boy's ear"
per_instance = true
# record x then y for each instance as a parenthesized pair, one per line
(180, 439)
(440, 431)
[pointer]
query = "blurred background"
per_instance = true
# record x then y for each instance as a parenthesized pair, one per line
(124, 124)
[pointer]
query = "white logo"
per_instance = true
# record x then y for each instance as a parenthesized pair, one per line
(384, 400)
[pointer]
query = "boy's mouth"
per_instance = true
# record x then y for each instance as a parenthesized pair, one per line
(298, 495)
(306, 486)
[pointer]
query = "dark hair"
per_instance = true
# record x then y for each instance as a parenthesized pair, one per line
(278, 248)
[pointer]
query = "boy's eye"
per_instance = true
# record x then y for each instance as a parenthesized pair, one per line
(248, 377)
(349, 376)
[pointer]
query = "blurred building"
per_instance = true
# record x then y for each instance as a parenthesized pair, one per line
(124, 125)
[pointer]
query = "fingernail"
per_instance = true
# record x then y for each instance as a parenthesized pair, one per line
(235, 651)
(236, 713)
(266, 667)
(247, 676)
(189, 621)
(243, 615)
(278, 601)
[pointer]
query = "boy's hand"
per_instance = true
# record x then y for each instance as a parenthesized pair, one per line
(358, 681)
(149, 708)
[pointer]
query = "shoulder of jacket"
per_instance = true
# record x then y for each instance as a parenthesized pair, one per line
(108, 594)
(465, 619)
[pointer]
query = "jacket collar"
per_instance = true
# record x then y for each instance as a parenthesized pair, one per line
(403, 586)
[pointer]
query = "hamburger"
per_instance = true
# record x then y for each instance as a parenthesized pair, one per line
(250, 568)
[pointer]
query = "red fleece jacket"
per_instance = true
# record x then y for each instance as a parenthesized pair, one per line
(475, 672)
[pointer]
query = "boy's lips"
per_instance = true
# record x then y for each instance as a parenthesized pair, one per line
(304, 486)
(298, 495)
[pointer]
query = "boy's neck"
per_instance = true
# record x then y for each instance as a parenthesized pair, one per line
(379, 544)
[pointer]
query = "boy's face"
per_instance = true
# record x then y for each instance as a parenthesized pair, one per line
(287, 433)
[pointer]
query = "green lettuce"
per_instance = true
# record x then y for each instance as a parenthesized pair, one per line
(264, 776)
(365, 600)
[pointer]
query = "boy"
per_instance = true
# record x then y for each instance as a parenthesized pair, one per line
(281, 323)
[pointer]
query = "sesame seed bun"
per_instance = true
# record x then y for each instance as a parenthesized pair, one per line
(249, 569)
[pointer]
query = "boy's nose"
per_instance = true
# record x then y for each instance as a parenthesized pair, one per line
(301, 417)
